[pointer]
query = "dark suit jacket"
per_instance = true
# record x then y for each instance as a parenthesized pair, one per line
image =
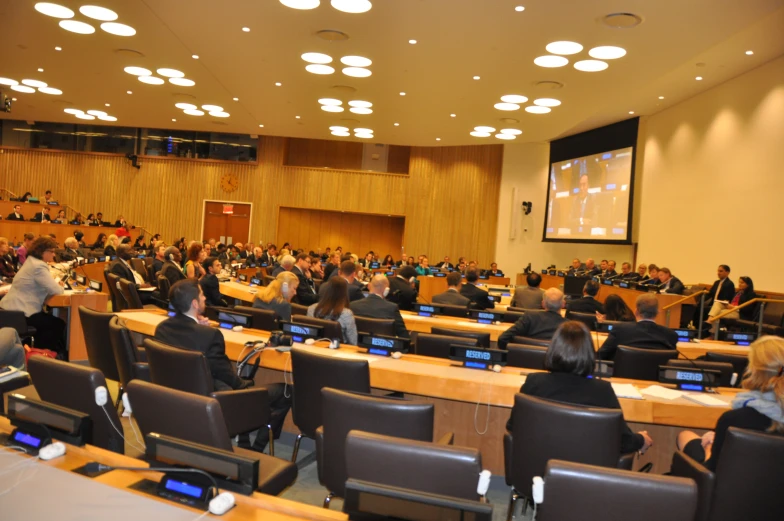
(306, 292)
(451, 297)
(527, 297)
(328, 269)
(447, 264)
(354, 291)
(374, 306)
(122, 271)
(592, 273)
(42, 217)
(69, 255)
(610, 273)
(644, 334)
(533, 325)
(183, 332)
(478, 296)
(12, 217)
(172, 272)
(109, 251)
(589, 215)
(401, 293)
(633, 276)
(157, 264)
(727, 291)
(585, 305)
(211, 288)
(676, 286)
(266, 257)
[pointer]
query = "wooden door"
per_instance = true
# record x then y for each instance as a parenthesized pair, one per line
(229, 227)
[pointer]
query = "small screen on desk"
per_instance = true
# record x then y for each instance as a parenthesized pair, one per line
(439, 274)
(232, 319)
(374, 265)
(184, 488)
(243, 277)
(255, 282)
(27, 439)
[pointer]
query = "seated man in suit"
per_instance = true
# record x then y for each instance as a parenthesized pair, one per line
(478, 296)
(209, 282)
(333, 263)
(348, 271)
(530, 296)
(723, 290)
(493, 271)
(591, 269)
(71, 252)
(652, 279)
(610, 271)
(16, 215)
(445, 264)
(375, 305)
(189, 329)
(43, 216)
(269, 256)
(402, 290)
(628, 274)
(645, 333)
(306, 289)
(669, 283)
(172, 269)
(537, 325)
(286, 264)
(123, 269)
(158, 250)
(452, 294)
(588, 302)
(577, 266)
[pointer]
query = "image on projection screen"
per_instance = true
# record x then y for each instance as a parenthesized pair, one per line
(588, 197)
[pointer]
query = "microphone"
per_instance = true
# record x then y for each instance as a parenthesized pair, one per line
(614, 276)
(94, 467)
(698, 368)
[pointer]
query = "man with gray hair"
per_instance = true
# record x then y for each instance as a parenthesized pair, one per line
(539, 324)
(71, 250)
(375, 305)
(645, 333)
(286, 263)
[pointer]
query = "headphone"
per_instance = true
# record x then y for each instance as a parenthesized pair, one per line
(412, 279)
(284, 288)
(171, 257)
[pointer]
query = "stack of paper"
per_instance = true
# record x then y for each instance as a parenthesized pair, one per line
(662, 392)
(705, 399)
(626, 391)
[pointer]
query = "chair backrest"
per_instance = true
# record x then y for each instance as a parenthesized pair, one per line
(739, 362)
(131, 296)
(267, 279)
(125, 352)
(183, 415)
(378, 326)
(14, 319)
(314, 372)
(437, 346)
(298, 309)
(164, 286)
(113, 282)
(525, 310)
(512, 316)
(482, 339)
(343, 412)
(139, 267)
(177, 368)
(530, 357)
(773, 314)
(622, 494)
(151, 277)
(95, 327)
(331, 328)
(530, 341)
(264, 319)
(73, 386)
(416, 465)
(451, 310)
(749, 467)
(589, 319)
(535, 423)
(639, 363)
(724, 368)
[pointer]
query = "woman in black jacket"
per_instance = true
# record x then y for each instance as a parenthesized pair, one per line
(744, 294)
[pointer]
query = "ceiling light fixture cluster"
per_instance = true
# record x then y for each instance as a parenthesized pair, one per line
(363, 133)
(355, 106)
(356, 66)
(101, 14)
(510, 102)
(560, 49)
(175, 77)
(90, 114)
(507, 134)
(192, 110)
(29, 86)
(346, 6)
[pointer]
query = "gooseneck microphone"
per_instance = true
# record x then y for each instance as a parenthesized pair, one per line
(94, 467)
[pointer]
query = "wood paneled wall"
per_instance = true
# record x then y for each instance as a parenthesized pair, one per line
(356, 232)
(449, 198)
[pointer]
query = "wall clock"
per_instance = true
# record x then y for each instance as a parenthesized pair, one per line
(230, 182)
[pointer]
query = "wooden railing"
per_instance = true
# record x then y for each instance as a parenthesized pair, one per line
(761, 301)
(680, 301)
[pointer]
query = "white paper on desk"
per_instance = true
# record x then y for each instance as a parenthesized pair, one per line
(626, 391)
(662, 392)
(705, 399)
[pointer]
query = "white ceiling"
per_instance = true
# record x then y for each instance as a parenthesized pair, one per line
(457, 39)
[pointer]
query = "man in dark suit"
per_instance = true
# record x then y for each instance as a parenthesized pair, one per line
(583, 213)
(188, 329)
(348, 271)
(71, 252)
(476, 295)
(16, 215)
(577, 267)
(287, 263)
(122, 268)
(376, 306)
(306, 289)
(670, 284)
(723, 290)
(159, 249)
(269, 256)
(171, 268)
(591, 269)
(445, 264)
(452, 294)
(401, 288)
(531, 296)
(588, 302)
(610, 271)
(333, 263)
(209, 283)
(540, 325)
(43, 216)
(645, 333)
(628, 274)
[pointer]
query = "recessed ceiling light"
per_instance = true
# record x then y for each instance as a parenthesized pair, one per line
(698, 78)
(138, 71)
(301, 4)
(246, 29)
(171, 73)
(477, 133)
(438, 139)
(77, 27)
(564, 47)
(107, 118)
(235, 99)
(340, 133)
(551, 61)
(547, 102)
(332, 108)
(535, 109)
(339, 128)
(151, 80)
(356, 61)
(53, 10)
(317, 68)
(477, 77)
(506, 136)
(361, 110)
(507, 106)
(174, 119)
(512, 131)
(364, 136)
(118, 29)
(631, 112)
(8, 81)
(34, 83)
(182, 82)
(363, 130)
(590, 65)
(402, 93)
(513, 98)
(519, 8)
(219, 114)
(98, 13)
(208, 108)
(107, 105)
(193, 112)
(261, 126)
(50, 90)
(40, 69)
(397, 124)
(195, 56)
(484, 129)
(84, 116)
(453, 115)
(186, 106)
(128, 92)
(607, 52)
(749, 53)
(661, 97)
(360, 103)
(330, 101)
(412, 42)
(58, 48)
(23, 88)
(97, 112)
(356, 72)
(278, 84)
(352, 6)
(316, 57)
(73, 111)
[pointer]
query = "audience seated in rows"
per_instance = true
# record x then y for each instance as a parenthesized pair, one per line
(375, 305)
(537, 325)
(452, 296)
(334, 306)
(645, 333)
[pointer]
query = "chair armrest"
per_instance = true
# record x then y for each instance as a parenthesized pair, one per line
(31, 331)
(685, 467)
(626, 461)
(508, 457)
(141, 371)
(319, 439)
(447, 439)
(141, 354)
(244, 410)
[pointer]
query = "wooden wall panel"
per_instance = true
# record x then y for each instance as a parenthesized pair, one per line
(449, 198)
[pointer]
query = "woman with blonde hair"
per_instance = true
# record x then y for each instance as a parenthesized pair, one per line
(110, 246)
(760, 407)
(277, 295)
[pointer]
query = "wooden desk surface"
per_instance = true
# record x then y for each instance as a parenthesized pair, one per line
(14, 230)
(77, 348)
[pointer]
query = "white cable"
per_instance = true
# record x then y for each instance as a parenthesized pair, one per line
(14, 447)
(19, 479)
(119, 432)
(476, 411)
(201, 516)
(19, 465)
(135, 434)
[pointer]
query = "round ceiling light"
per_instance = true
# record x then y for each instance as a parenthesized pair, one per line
(301, 4)
(8, 81)
(84, 116)
(339, 128)
(356, 61)
(193, 112)
(151, 80)
(171, 73)
(607, 52)
(513, 98)
(538, 110)
(219, 114)
(364, 136)
(54, 10)
(316, 57)
(98, 13)
(182, 82)
(77, 27)
(363, 130)
(317, 68)
(361, 110)
(50, 90)
(360, 103)
(507, 106)
(477, 133)
(512, 131)
(332, 108)
(547, 102)
(352, 6)
(564, 48)
(340, 133)
(330, 101)
(23, 88)
(138, 71)
(34, 83)
(118, 29)
(484, 129)
(107, 118)
(590, 65)
(185, 106)
(73, 111)
(506, 136)
(97, 112)
(550, 61)
(356, 72)
(211, 108)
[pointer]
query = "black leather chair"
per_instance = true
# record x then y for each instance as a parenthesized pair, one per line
(18, 321)
(614, 494)
(131, 360)
(437, 346)
(739, 362)
(244, 410)
(140, 267)
(314, 372)
(330, 328)
(525, 310)
(298, 309)
(748, 481)
(95, 327)
(449, 310)
(199, 419)
(589, 319)
(531, 341)
(113, 283)
(130, 293)
(772, 320)
(266, 279)
(415, 465)
(164, 287)
(263, 319)
(73, 386)
(641, 364)
(529, 357)
(376, 326)
(724, 368)
(482, 339)
(512, 316)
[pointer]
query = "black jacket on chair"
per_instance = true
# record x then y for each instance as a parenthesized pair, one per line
(401, 293)
(676, 287)
(585, 304)
(211, 288)
(13, 217)
(184, 332)
(374, 306)
(121, 270)
(477, 295)
(645, 334)
(532, 325)
(306, 292)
